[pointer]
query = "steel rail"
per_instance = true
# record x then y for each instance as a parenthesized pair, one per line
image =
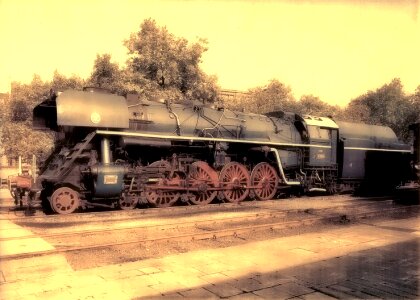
(214, 234)
(252, 216)
(191, 208)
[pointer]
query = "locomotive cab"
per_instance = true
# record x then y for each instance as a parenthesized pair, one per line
(319, 165)
(322, 134)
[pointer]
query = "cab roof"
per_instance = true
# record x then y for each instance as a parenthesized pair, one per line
(320, 121)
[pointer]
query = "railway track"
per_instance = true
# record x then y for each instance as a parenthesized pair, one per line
(211, 228)
(54, 228)
(19, 215)
(168, 226)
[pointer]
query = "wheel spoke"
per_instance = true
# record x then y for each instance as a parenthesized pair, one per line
(161, 198)
(202, 177)
(265, 177)
(128, 201)
(235, 180)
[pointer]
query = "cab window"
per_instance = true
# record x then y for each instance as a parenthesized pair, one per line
(316, 132)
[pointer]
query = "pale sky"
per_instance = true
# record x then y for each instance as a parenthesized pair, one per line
(336, 50)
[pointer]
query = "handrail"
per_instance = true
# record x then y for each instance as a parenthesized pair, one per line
(283, 177)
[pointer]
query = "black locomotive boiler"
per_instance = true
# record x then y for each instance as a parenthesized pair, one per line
(117, 151)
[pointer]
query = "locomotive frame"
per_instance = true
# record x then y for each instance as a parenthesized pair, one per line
(116, 151)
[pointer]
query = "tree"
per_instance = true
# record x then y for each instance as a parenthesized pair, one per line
(312, 105)
(106, 74)
(388, 106)
(170, 64)
(356, 111)
(4, 110)
(274, 96)
(414, 100)
(20, 111)
(31, 93)
(18, 139)
(238, 102)
(205, 89)
(24, 97)
(61, 82)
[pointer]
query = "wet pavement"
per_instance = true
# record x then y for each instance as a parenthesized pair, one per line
(374, 260)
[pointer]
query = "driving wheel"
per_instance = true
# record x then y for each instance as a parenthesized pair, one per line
(127, 201)
(264, 176)
(235, 180)
(202, 177)
(159, 197)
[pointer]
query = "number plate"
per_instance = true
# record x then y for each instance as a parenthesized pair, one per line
(110, 179)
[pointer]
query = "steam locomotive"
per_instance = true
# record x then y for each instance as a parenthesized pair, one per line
(124, 151)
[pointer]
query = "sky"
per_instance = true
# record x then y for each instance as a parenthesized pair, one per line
(336, 50)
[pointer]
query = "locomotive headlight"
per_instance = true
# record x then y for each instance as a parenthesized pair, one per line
(95, 117)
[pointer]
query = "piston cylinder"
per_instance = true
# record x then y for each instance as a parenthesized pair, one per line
(108, 180)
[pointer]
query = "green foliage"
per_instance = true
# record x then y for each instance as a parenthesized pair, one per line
(24, 97)
(20, 111)
(312, 105)
(4, 110)
(18, 139)
(61, 82)
(259, 100)
(31, 93)
(384, 104)
(106, 74)
(277, 96)
(206, 89)
(388, 106)
(17, 136)
(153, 53)
(414, 99)
(170, 64)
(356, 112)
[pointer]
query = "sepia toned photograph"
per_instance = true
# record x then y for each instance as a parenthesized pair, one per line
(198, 149)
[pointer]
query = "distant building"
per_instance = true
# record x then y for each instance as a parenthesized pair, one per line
(229, 95)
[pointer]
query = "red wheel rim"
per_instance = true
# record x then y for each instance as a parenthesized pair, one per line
(128, 201)
(65, 200)
(202, 177)
(235, 181)
(265, 178)
(161, 198)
